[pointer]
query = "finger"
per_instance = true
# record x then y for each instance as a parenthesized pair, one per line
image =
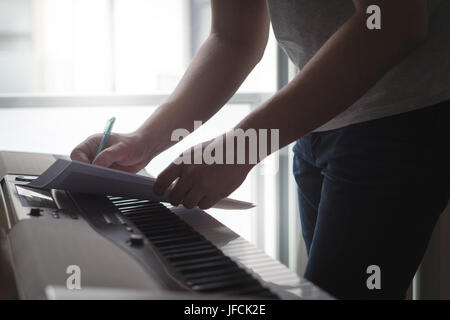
(192, 198)
(109, 156)
(165, 178)
(179, 191)
(85, 151)
(207, 203)
(79, 155)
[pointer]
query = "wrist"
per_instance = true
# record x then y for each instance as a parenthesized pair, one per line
(156, 131)
(145, 139)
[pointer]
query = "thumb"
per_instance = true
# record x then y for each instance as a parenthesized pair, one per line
(109, 156)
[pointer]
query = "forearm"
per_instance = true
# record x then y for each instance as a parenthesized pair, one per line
(347, 66)
(214, 75)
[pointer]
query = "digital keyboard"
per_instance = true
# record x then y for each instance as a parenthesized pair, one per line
(134, 248)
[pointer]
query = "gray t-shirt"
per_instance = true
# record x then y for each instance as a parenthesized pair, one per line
(421, 79)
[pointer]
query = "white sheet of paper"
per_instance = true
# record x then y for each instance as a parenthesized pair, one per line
(81, 177)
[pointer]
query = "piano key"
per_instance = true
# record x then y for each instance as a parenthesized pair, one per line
(197, 261)
(168, 230)
(262, 265)
(150, 226)
(154, 226)
(249, 256)
(161, 241)
(129, 202)
(189, 251)
(142, 207)
(194, 254)
(222, 285)
(185, 239)
(175, 235)
(139, 207)
(203, 274)
(256, 261)
(181, 245)
(217, 278)
(205, 266)
(146, 212)
(150, 216)
(281, 277)
(186, 248)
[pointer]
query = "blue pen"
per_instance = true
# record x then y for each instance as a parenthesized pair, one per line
(106, 134)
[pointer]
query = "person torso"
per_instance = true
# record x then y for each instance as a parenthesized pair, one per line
(419, 80)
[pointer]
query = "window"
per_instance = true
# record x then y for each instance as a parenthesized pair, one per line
(121, 46)
(68, 65)
(16, 46)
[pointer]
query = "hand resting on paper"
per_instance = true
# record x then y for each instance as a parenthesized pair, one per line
(202, 184)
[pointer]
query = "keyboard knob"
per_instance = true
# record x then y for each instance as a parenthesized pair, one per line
(136, 240)
(35, 212)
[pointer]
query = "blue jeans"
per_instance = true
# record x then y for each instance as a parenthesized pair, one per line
(371, 194)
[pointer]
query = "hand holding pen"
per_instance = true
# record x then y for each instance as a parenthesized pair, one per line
(129, 152)
(106, 133)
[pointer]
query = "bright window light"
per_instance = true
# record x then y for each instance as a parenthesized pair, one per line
(87, 47)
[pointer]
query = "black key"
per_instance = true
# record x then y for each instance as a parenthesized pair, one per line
(186, 239)
(197, 260)
(186, 262)
(168, 230)
(218, 278)
(139, 207)
(148, 215)
(187, 248)
(181, 245)
(156, 227)
(146, 210)
(152, 217)
(151, 225)
(218, 286)
(203, 274)
(188, 236)
(131, 202)
(195, 254)
(205, 267)
(124, 202)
